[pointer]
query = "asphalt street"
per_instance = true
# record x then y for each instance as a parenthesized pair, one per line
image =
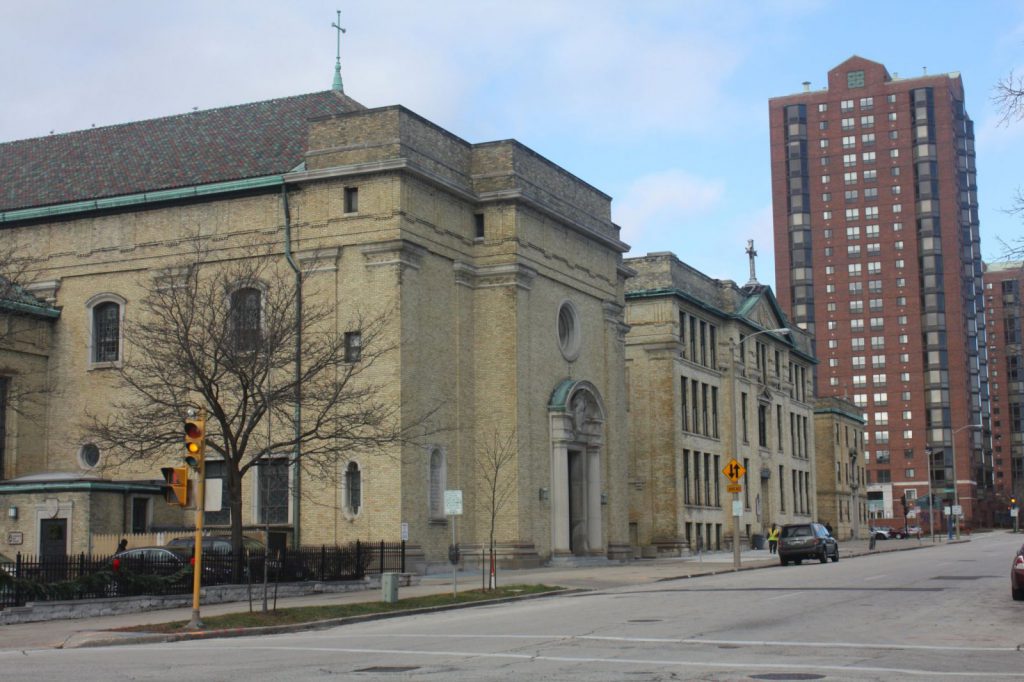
(941, 613)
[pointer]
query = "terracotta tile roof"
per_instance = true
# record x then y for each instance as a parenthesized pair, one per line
(216, 145)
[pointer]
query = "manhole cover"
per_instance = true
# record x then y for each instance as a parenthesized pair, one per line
(788, 676)
(388, 669)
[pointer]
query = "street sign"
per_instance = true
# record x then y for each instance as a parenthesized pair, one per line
(958, 510)
(734, 470)
(737, 508)
(453, 503)
(1013, 513)
(734, 488)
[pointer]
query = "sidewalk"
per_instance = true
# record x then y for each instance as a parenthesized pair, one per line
(96, 631)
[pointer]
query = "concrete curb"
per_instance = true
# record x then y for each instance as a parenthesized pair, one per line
(115, 638)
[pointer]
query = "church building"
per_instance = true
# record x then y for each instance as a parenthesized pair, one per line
(504, 273)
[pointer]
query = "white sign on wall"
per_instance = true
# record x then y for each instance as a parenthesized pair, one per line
(453, 503)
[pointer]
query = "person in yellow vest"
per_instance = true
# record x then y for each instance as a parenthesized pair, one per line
(773, 539)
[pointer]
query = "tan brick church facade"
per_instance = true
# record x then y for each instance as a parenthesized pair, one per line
(505, 272)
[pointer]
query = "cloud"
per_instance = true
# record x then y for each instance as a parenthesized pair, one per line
(663, 202)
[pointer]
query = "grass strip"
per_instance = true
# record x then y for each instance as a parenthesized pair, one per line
(310, 614)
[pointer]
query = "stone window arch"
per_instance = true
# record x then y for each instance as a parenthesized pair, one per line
(106, 330)
(437, 478)
(246, 310)
(352, 490)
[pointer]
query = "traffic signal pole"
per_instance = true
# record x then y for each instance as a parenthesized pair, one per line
(195, 444)
(736, 531)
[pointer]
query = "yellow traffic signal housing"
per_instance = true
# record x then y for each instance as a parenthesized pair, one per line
(176, 481)
(195, 441)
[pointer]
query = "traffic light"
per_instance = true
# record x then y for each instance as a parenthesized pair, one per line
(1013, 502)
(195, 441)
(176, 482)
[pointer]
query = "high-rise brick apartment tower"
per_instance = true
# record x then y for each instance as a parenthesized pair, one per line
(1004, 310)
(877, 254)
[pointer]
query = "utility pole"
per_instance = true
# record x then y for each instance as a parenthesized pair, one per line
(956, 494)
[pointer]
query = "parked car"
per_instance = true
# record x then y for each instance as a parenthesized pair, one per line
(914, 531)
(217, 559)
(799, 541)
(166, 561)
(1017, 576)
(882, 532)
(150, 561)
(215, 543)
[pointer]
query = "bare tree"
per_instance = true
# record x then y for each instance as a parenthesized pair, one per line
(1008, 96)
(498, 483)
(223, 336)
(25, 388)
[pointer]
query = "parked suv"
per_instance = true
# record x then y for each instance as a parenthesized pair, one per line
(217, 556)
(220, 544)
(799, 541)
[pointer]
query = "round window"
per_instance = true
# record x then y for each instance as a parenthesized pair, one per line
(89, 455)
(568, 331)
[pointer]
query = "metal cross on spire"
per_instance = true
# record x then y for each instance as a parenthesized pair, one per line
(752, 254)
(337, 62)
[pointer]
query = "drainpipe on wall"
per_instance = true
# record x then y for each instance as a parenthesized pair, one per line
(297, 486)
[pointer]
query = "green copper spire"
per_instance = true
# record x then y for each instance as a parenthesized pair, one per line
(337, 62)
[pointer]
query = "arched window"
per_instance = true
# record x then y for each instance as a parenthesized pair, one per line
(246, 318)
(353, 488)
(105, 316)
(437, 484)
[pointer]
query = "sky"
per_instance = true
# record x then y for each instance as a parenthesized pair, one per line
(661, 104)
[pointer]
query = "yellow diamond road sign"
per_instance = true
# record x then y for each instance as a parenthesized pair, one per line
(734, 470)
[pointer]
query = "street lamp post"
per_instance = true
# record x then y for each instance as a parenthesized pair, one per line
(931, 501)
(956, 494)
(737, 508)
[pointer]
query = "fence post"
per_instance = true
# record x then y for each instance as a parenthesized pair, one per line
(360, 573)
(403, 556)
(380, 562)
(323, 562)
(17, 582)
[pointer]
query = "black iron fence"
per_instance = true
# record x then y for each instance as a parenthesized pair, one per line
(163, 572)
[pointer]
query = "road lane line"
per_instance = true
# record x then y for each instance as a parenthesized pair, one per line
(783, 596)
(715, 665)
(669, 640)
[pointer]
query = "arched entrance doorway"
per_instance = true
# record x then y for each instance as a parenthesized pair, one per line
(577, 416)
